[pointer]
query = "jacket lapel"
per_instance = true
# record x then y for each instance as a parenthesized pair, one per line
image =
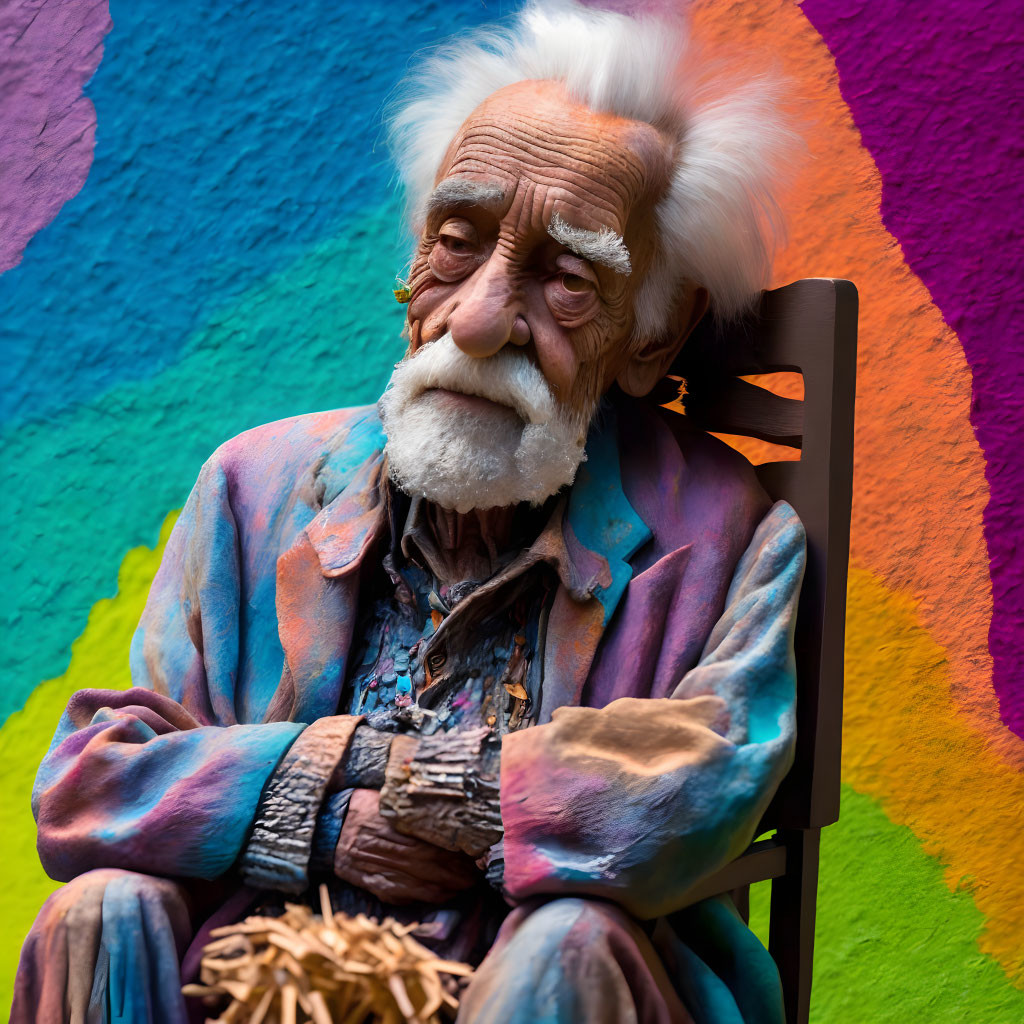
(601, 532)
(318, 595)
(600, 517)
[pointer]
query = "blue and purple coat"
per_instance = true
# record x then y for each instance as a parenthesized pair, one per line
(666, 717)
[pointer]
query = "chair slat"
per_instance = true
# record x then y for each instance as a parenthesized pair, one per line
(729, 405)
(761, 861)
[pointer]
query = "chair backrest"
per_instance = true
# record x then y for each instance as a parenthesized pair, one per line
(809, 327)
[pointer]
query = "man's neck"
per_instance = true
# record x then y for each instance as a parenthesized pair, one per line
(474, 545)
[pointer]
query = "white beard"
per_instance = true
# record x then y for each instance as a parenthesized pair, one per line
(523, 449)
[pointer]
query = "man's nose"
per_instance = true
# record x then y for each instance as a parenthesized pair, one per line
(489, 313)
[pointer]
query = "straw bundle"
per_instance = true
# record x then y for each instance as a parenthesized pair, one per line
(329, 969)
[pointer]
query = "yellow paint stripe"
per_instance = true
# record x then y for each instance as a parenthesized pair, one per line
(99, 658)
(905, 745)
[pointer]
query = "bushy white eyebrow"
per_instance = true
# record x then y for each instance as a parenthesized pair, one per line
(602, 246)
(455, 192)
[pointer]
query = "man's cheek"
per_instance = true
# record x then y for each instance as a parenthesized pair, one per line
(427, 290)
(588, 386)
(595, 345)
(428, 318)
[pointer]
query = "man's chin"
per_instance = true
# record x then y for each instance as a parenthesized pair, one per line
(463, 453)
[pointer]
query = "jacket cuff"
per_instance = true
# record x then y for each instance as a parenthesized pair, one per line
(278, 853)
(444, 789)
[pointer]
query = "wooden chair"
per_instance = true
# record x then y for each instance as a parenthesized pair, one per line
(810, 327)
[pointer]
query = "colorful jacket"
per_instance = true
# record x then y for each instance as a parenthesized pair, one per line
(667, 708)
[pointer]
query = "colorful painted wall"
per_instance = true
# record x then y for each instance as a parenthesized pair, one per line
(206, 238)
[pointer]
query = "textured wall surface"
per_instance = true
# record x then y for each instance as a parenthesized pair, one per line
(51, 49)
(223, 242)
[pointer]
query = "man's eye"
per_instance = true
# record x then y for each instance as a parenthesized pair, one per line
(575, 283)
(454, 255)
(456, 246)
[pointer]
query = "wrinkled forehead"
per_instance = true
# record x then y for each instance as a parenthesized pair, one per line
(596, 167)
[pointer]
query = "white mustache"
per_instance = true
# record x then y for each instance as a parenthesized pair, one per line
(508, 377)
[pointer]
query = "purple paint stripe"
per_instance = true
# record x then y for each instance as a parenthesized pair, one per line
(936, 91)
(47, 127)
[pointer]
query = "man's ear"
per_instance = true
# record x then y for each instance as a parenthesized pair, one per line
(647, 366)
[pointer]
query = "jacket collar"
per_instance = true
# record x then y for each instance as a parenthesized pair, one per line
(345, 530)
(600, 521)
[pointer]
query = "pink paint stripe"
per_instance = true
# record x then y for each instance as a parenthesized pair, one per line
(935, 91)
(47, 127)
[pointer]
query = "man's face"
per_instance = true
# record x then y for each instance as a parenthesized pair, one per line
(537, 236)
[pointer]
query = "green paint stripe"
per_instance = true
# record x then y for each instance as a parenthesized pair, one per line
(893, 944)
(99, 658)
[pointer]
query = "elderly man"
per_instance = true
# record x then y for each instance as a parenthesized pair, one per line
(514, 638)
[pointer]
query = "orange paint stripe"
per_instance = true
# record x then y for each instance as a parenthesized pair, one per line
(919, 485)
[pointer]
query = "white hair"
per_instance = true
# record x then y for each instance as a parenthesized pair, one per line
(718, 222)
(524, 447)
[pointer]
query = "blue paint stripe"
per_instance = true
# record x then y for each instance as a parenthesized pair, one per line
(231, 139)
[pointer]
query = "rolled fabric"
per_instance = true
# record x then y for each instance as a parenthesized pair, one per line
(278, 853)
(444, 789)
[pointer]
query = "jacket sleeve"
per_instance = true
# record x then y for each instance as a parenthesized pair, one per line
(637, 801)
(161, 778)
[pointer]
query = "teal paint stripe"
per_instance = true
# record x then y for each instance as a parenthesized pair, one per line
(99, 477)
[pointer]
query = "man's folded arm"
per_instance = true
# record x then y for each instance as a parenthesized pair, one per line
(134, 781)
(162, 778)
(639, 800)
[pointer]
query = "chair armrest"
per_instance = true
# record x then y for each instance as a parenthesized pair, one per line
(762, 860)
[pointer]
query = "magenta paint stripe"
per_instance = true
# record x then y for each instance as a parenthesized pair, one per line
(936, 91)
(47, 127)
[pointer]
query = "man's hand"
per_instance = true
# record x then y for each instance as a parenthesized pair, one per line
(396, 868)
